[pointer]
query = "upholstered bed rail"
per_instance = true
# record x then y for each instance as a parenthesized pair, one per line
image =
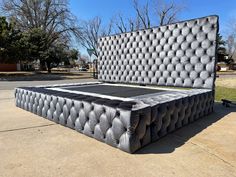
(125, 125)
(114, 122)
(181, 54)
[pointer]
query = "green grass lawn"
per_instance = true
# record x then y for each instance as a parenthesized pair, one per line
(225, 93)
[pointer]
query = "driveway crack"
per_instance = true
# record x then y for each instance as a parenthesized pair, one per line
(6, 98)
(205, 150)
(25, 128)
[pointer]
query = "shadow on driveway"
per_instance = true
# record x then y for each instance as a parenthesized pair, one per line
(170, 142)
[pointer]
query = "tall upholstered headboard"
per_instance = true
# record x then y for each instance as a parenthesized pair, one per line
(182, 54)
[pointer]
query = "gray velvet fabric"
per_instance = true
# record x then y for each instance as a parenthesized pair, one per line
(174, 110)
(148, 119)
(181, 54)
(125, 129)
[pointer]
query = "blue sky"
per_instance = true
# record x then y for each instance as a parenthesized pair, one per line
(106, 9)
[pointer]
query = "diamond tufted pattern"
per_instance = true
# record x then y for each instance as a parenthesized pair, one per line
(125, 125)
(180, 54)
(125, 129)
(174, 110)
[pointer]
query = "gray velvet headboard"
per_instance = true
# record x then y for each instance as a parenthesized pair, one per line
(181, 54)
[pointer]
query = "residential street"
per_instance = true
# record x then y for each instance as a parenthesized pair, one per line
(9, 85)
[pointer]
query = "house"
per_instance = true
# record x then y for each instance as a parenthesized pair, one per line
(10, 67)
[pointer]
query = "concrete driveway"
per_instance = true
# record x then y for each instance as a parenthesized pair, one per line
(33, 146)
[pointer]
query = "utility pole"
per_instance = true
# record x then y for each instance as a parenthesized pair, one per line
(90, 52)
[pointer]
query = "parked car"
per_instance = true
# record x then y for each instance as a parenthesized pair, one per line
(83, 69)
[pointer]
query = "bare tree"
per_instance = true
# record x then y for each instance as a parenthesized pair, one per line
(165, 13)
(142, 12)
(121, 24)
(140, 21)
(231, 47)
(51, 16)
(91, 31)
(230, 41)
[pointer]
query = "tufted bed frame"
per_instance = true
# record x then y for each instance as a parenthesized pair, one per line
(130, 106)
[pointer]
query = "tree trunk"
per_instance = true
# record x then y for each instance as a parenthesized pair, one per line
(42, 66)
(49, 67)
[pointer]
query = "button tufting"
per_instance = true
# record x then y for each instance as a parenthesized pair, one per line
(148, 124)
(121, 55)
